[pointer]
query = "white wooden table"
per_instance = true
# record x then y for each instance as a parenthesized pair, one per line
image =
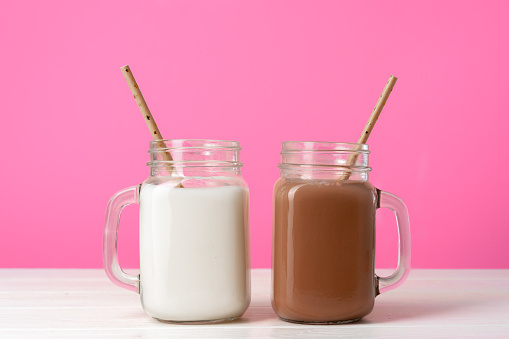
(40, 303)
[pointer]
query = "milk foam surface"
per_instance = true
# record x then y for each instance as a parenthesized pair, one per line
(194, 262)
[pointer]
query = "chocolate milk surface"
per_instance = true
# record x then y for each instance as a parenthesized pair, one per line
(324, 248)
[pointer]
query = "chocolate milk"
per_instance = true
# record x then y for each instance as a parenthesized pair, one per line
(324, 250)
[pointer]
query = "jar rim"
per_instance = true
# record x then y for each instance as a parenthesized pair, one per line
(323, 146)
(180, 144)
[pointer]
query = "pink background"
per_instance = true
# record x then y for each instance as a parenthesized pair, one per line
(259, 72)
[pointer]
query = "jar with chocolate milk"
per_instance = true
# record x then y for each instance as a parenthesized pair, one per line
(324, 217)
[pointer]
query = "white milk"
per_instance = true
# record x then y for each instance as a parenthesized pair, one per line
(194, 261)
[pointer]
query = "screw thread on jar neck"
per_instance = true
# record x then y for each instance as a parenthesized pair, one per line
(324, 160)
(195, 157)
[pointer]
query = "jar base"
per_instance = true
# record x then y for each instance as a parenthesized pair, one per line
(338, 322)
(197, 322)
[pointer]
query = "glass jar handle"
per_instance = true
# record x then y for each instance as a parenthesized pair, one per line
(392, 202)
(120, 200)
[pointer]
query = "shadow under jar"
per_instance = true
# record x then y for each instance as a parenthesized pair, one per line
(194, 233)
(324, 234)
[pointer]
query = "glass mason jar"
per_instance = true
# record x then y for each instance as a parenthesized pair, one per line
(324, 234)
(194, 233)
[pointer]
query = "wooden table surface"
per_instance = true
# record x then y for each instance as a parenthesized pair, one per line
(40, 303)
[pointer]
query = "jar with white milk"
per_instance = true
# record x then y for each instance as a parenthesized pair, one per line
(194, 233)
